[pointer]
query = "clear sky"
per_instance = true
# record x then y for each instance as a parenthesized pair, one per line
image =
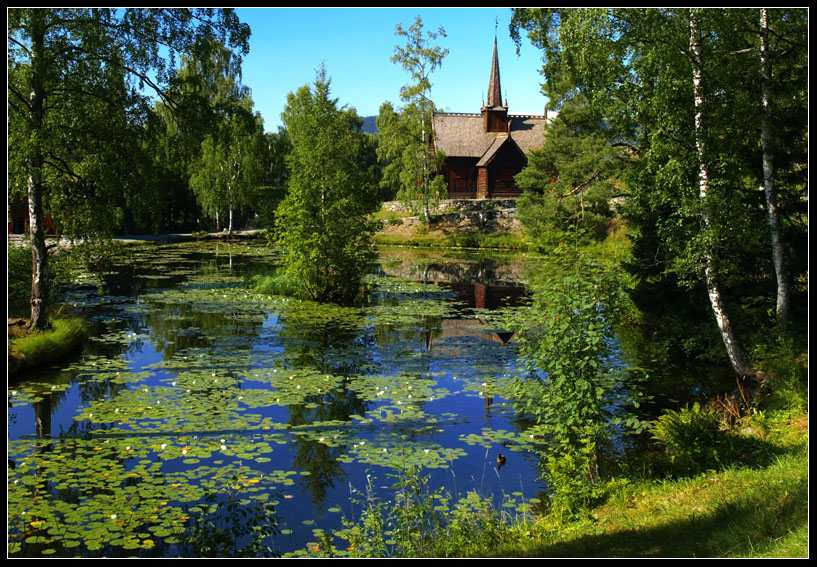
(289, 44)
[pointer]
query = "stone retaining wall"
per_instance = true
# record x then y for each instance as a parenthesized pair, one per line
(465, 215)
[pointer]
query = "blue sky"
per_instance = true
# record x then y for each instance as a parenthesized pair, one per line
(289, 44)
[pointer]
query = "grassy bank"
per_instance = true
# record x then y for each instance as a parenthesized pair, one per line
(440, 239)
(28, 350)
(740, 511)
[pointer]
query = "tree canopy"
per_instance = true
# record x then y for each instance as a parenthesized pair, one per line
(323, 222)
(72, 73)
(403, 134)
(682, 89)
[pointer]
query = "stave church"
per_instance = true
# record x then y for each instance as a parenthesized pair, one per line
(485, 150)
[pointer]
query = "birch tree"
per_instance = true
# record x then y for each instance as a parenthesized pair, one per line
(669, 84)
(230, 168)
(404, 135)
(54, 59)
(738, 357)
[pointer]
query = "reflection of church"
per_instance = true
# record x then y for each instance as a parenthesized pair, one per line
(480, 296)
(485, 151)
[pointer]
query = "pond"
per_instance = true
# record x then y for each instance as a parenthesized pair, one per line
(194, 391)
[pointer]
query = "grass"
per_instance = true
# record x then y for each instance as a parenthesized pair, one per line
(737, 512)
(27, 350)
(438, 239)
(275, 282)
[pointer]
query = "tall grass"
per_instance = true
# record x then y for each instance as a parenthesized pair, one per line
(42, 347)
(276, 282)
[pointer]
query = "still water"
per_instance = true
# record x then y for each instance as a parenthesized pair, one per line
(193, 390)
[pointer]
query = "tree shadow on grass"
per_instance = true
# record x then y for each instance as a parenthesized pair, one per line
(732, 529)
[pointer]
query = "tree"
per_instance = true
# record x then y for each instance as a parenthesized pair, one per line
(738, 357)
(669, 83)
(571, 179)
(404, 136)
(783, 35)
(56, 58)
(323, 223)
(230, 168)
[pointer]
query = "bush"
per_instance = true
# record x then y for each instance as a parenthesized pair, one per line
(62, 266)
(692, 437)
(323, 224)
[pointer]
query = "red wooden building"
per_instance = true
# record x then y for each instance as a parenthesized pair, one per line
(485, 151)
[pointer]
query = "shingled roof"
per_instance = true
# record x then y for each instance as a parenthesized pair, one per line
(464, 135)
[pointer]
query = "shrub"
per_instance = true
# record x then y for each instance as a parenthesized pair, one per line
(692, 437)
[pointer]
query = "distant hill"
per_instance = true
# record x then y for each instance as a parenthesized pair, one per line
(369, 125)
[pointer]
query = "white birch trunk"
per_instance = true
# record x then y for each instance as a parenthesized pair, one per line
(778, 256)
(737, 356)
(34, 165)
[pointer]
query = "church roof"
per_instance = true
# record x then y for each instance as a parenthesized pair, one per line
(494, 88)
(464, 135)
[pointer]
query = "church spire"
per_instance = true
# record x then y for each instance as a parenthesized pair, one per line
(494, 89)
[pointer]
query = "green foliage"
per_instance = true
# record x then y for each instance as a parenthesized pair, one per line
(229, 167)
(696, 218)
(322, 224)
(276, 282)
(44, 347)
(786, 371)
(572, 472)
(408, 167)
(693, 437)
(574, 386)
(63, 267)
(76, 108)
(18, 264)
(419, 522)
(571, 179)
